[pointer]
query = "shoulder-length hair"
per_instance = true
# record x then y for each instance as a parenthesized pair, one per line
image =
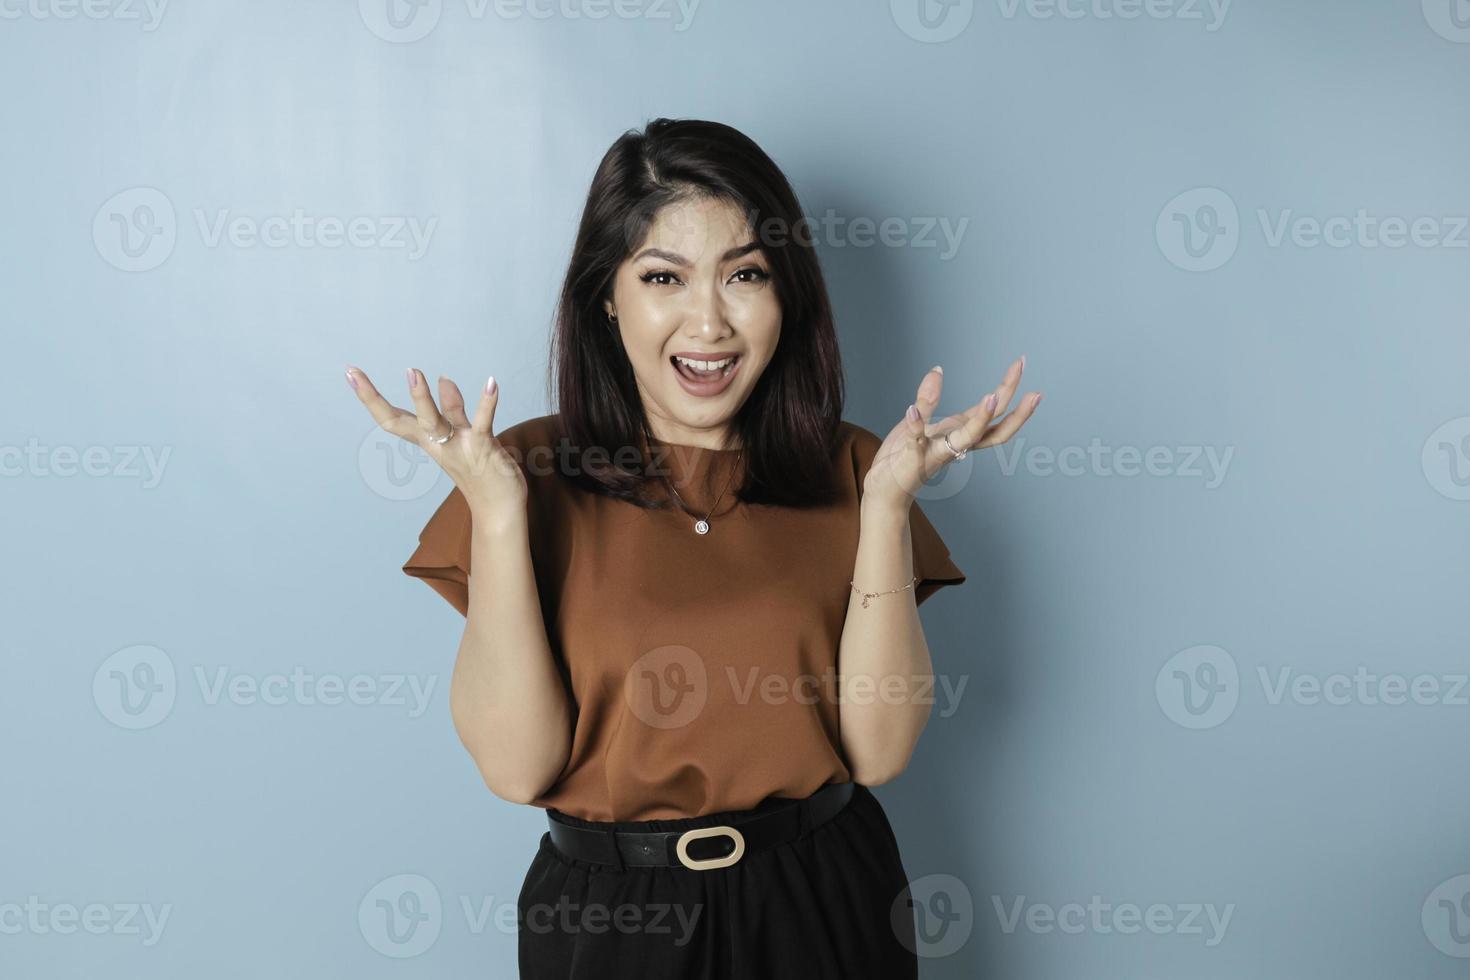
(789, 424)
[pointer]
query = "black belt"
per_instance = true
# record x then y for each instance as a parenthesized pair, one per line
(672, 848)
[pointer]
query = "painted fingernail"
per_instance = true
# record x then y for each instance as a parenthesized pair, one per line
(1023, 362)
(490, 385)
(1036, 399)
(990, 402)
(413, 378)
(912, 413)
(351, 379)
(937, 368)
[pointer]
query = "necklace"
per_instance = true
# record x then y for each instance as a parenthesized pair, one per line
(701, 524)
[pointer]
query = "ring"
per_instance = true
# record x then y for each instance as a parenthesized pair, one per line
(440, 442)
(957, 453)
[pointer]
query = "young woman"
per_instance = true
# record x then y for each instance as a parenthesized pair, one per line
(690, 594)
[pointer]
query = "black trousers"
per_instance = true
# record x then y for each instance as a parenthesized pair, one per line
(829, 905)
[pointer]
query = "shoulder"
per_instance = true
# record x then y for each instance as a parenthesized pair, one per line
(856, 449)
(857, 443)
(533, 442)
(857, 438)
(540, 430)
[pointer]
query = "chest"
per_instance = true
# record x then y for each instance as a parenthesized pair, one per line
(766, 588)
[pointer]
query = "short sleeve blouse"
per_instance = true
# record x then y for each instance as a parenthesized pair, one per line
(702, 667)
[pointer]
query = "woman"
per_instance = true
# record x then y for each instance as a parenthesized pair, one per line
(668, 575)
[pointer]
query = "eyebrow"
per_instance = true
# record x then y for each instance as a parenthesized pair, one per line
(677, 259)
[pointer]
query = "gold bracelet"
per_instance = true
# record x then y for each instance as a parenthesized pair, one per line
(873, 595)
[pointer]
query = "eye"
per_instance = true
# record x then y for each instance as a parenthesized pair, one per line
(659, 277)
(753, 273)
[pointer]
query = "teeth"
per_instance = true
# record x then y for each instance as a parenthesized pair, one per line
(705, 365)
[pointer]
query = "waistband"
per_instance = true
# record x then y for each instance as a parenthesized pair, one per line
(704, 847)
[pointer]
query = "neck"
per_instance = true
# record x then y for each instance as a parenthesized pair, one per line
(678, 435)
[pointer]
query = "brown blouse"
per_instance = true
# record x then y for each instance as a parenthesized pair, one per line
(702, 667)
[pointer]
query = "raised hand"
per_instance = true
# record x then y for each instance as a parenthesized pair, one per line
(490, 478)
(914, 450)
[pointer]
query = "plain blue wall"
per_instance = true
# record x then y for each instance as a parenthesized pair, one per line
(1118, 184)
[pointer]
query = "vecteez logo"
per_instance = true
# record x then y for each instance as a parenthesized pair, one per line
(136, 230)
(137, 687)
(1200, 230)
(1445, 917)
(407, 21)
(1198, 687)
(147, 13)
(401, 916)
(932, 21)
(1450, 19)
(1445, 459)
(1201, 686)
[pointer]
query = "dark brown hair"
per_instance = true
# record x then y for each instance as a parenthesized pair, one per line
(788, 425)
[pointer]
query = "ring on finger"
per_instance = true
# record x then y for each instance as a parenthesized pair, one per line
(956, 453)
(447, 436)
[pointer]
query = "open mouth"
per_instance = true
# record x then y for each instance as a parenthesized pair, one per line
(705, 371)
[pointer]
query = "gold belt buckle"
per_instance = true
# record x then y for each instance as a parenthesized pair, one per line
(706, 864)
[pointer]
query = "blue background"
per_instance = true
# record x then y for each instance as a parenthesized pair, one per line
(1095, 162)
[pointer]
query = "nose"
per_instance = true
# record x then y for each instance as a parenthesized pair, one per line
(708, 317)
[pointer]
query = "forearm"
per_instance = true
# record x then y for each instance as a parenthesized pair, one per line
(883, 658)
(508, 701)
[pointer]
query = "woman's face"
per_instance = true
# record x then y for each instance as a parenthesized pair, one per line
(697, 287)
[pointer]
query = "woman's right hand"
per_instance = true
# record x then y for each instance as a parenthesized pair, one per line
(486, 473)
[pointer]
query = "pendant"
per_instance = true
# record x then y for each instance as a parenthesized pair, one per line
(701, 526)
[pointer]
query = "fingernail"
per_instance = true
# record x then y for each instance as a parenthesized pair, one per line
(990, 402)
(351, 379)
(1023, 362)
(937, 368)
(490, 385)
(912, 413)
(1036, 399)
(413, 378)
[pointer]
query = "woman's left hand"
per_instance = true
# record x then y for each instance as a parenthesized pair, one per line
(914, 450)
